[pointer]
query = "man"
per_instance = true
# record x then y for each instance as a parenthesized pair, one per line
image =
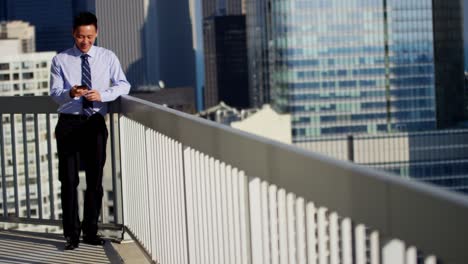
(83, 79)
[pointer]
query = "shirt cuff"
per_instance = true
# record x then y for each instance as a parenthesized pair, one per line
(106, 97)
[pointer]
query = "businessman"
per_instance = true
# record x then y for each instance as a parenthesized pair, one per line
(83, 79)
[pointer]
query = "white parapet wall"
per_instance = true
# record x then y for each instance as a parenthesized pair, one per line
(267, 123)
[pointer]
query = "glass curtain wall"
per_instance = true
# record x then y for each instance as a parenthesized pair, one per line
(411, 64)
(352, 66)
(257, 26)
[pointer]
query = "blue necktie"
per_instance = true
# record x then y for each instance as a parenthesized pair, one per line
(86, 80)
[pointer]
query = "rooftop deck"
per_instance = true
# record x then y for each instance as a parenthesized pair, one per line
(187, 190)
(30, 247)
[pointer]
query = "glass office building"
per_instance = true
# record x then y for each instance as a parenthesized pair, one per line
(258, 22)
(364, 66)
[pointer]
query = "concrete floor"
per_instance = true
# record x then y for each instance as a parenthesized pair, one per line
(27, 247)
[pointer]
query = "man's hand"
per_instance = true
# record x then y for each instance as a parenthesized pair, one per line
(77, 91)
(93, 96)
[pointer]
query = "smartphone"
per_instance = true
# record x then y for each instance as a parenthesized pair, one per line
(82, 87)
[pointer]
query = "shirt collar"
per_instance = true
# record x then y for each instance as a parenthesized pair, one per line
(91, 52)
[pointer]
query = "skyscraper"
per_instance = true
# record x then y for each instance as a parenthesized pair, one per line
(153, 40)
(224, 42)
(364, 66)
(197, 33)
(258, 31)
(226, 61)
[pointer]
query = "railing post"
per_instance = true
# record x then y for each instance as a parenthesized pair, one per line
(26, 166)
(184, 183)
(38, 165)
(117, 202)
(15, 170)
(360, 244)
(374, 248)
(393, 251)
(50, 166)
(255, 221)
(350, 141)
(346, 241)
(150, 185)
(4, 184)
(322, 236)
(312, 241)
(123, 169)
(411, 255)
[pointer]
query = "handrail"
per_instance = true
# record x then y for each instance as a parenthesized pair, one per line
(426, 216)
(38, 105)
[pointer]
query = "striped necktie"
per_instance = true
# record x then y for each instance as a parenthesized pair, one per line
(86, 80)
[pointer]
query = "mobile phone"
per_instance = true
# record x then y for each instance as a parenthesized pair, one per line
(82, 87)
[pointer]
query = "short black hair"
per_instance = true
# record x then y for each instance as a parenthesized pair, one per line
(84, 19)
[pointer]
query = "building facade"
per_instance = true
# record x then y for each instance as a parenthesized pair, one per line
(365, 66)
(211, 8)
(438, 157)
(19, 31)
(226, 61)
(258, 26)
(27, 75)
(153, 40)
(224, 45)
(197, 32)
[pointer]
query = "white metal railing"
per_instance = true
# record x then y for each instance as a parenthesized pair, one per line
(199, 192)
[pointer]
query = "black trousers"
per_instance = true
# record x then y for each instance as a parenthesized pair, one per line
(80, 138)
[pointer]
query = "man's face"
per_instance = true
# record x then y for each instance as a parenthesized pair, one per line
(84, 37)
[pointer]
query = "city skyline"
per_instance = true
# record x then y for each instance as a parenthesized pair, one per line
(257, 77)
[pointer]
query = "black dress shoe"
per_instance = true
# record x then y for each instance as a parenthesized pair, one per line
(94, 240)
(71, 243)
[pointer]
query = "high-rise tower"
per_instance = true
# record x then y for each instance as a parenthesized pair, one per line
(364, 66)
(224, 42)
(153, 40)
